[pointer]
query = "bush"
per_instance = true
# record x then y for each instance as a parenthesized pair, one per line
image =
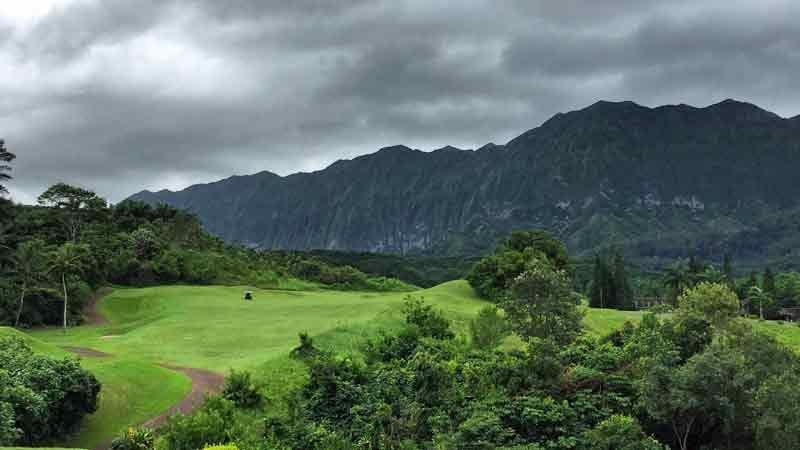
(621, 433)
(134, 439)
(430, 323)
(212, 423)
(306, 348)
(221, 447)
(488, 329)
(9, 433)
(240, 389)
(48, 397)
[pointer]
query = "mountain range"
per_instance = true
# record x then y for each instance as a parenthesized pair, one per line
(658, 182)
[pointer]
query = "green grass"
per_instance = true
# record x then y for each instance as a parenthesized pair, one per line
(211, 327)
(600, 322)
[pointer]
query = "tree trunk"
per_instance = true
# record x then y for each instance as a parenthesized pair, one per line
(761, 309)
(21, 304)
(64, 284)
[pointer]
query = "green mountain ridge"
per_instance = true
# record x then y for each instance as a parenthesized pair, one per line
(660, 182)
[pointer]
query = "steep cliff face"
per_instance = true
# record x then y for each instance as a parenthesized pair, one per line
(659, 181)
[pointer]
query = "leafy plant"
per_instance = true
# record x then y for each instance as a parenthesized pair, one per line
(240, 390)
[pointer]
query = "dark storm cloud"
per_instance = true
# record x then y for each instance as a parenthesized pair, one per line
(120, 95)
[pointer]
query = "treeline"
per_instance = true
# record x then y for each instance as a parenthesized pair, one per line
(422, 271)
(698, 378)
(335, 274)
(42, 399)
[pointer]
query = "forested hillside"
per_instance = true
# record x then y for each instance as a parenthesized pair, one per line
(662, 182)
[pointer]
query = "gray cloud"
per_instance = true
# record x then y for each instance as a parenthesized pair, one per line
(119, 95)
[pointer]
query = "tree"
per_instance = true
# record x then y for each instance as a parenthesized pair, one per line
(677, 278)
(768, 282)
(492, 276)
(622, 283)
(620, 432)
(76, 204)
(600, 291)
(712, 392)
(29, 267)
(727, 269)
(696, 266)
(713, 302)
(488, 329)
(66, 261)
(756, 295)
(539, 242)
(5, 158)
(145, 243)
(778, 417)
(543, 305)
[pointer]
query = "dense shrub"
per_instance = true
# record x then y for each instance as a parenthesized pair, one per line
(9, 433)
(488, 329)
(620, 432)
(47, 397)
(240, 390)
(211, 424)
(431, 323)
(306, 348)
(134, 439)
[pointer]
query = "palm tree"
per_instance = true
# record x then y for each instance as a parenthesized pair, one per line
(29, 266)
(65, 261)
(677, 277)
(756, 294)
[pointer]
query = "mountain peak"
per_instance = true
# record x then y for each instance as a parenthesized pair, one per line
(739, 110)
(395, 149)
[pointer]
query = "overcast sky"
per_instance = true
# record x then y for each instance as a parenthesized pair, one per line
(122, 95)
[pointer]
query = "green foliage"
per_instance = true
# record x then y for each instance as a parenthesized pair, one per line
(543, 305)
(74, 207)
(145, 244)
(216, 421)
(29, 267)
(134, 439)
(714, 302)
(488, 329)
(417, 270)
(620, 432)
(306, 348)
(493, 276)
(240, 390)
(9, 433)
(611, 286)
(429, 322)
(344, 277)
(46, 398)
(778, 418)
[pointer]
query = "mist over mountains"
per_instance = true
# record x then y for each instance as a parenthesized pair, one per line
(660, 182)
